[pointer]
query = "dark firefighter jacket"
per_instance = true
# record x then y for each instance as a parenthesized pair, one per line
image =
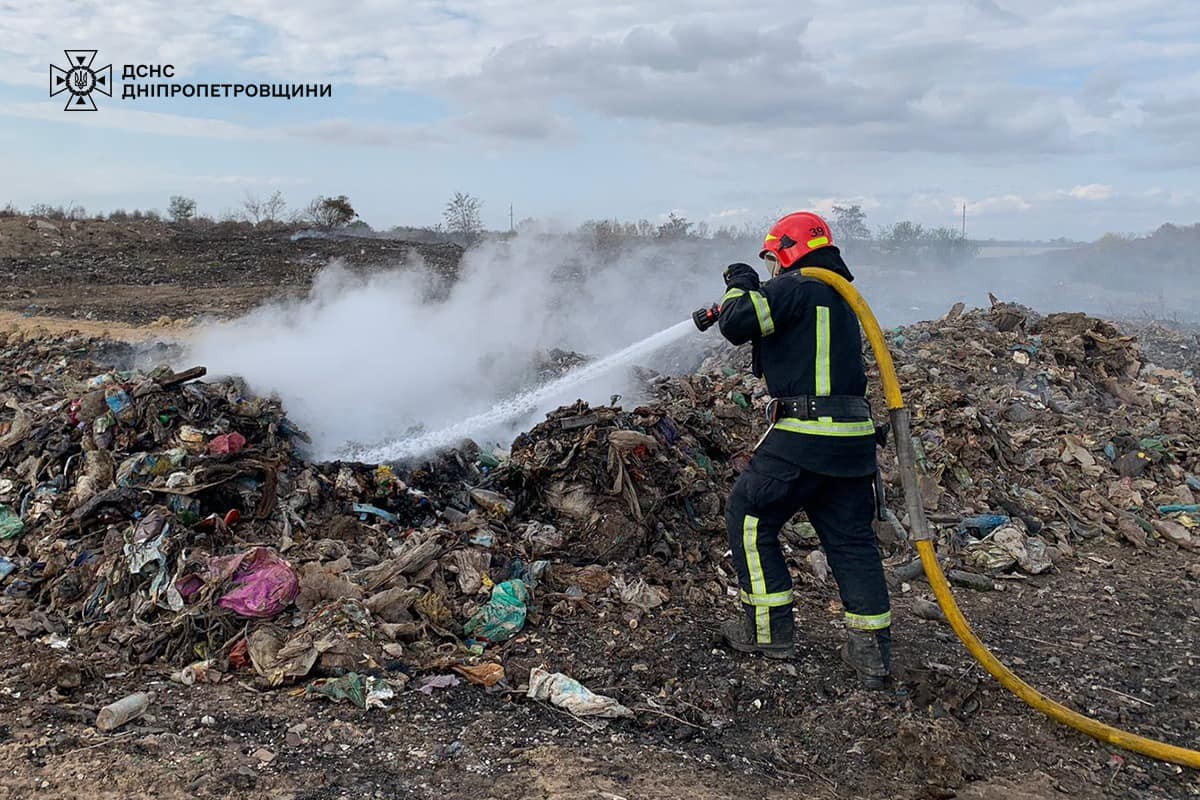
(806, 341)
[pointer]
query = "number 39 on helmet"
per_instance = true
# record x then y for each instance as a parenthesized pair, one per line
(795, 236)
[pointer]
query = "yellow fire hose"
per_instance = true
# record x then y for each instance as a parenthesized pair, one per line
(906, 456)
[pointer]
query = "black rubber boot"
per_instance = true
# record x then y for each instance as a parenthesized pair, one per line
(870, 654)
(739, 633)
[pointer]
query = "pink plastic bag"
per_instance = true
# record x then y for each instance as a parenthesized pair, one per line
(264, 583)
(226, 443)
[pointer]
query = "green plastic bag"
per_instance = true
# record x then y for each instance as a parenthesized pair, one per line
(348, 687)
(503, 616)
(11, 525)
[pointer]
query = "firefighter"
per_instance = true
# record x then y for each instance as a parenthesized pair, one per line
(818, 455)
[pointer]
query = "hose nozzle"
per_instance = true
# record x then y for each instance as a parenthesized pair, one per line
(705, 317)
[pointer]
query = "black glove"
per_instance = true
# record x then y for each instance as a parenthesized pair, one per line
(742, 276)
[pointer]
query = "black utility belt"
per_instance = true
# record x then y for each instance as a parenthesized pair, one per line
(840, 406)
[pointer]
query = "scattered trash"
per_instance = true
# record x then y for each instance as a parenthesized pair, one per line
(926, 609)
(569, 694)
(494, 503)
(362, 509)
(431, 683)
(199, 672)
(128, 708)
(818, 564)
(363, 691)
(150, 519)
(639, 594)
(481, 674)
(503, 616)
(1173, 509)
(981, 525)
(226, 444)
(10, 523)
(264, 583)
(1007, 546)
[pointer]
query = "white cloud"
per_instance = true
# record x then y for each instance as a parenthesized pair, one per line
(141, 122)
(998, 205)
(1092, 191)
(726, 106)
(903, 75)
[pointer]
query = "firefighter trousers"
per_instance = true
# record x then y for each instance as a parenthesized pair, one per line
(764, 498)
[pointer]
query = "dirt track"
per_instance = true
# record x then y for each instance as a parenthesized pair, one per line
(788, 729)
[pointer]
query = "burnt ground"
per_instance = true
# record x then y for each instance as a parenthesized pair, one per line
(138, 271)
(1112, 633)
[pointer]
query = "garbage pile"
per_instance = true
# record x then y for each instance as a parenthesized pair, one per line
(1173, 345)
(1034, 432)
(149, 517)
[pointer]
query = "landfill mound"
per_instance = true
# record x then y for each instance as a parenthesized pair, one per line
(1054, 422)
(1174, 345)
(152, 269)
(149, 517)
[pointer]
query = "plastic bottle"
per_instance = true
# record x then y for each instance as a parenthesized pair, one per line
(116, 714)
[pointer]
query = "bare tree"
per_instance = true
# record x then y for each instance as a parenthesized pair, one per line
(180, 208)
(258, 210)
(676, 227)
(330, 212)
(252, 208)
(274, 207)
(462, 216)
(850, 222)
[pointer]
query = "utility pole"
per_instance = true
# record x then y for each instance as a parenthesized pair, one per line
(510, 218)
(964, 225)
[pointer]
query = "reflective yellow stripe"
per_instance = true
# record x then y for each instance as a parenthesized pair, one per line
(758, 581)
(826, 427)
(732, 293)
(869, 622)
(763, 309)
(823, 378)
(820, 241)
(772, 600)
(771, 237)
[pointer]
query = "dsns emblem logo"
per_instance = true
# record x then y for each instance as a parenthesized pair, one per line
(80, 79)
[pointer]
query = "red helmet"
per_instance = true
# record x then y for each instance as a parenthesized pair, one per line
(795, 236)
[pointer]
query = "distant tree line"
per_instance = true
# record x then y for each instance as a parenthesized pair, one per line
(850, 230)
(462, 223)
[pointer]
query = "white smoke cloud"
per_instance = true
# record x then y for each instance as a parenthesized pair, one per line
(368, 357)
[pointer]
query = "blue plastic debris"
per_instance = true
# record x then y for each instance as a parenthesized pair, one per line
(362, 509)
(1171, 509)
(118, 401)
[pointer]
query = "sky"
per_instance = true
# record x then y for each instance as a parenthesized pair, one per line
(1045, 118)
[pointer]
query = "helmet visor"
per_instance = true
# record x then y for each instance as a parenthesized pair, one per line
(772, 260)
